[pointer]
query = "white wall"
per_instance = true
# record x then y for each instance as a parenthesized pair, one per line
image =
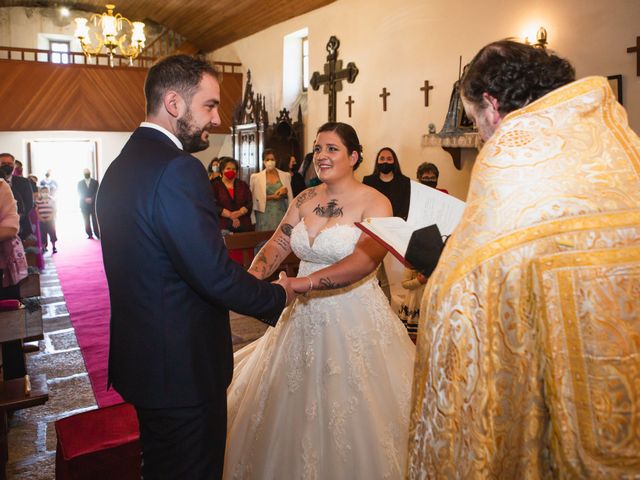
(400, 44)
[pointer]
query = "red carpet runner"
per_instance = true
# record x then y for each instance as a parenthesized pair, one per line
(84, 286)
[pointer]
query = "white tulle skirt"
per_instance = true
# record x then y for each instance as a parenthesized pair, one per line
(325, 394)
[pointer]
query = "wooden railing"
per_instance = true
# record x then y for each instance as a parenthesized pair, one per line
(166, 43)
(71, 58)
(102, 60)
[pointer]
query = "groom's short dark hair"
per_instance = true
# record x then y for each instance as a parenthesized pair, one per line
(181, 73)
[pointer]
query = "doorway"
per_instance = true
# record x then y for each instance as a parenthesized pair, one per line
(65, 161)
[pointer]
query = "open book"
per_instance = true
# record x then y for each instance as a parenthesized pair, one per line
(418, 240)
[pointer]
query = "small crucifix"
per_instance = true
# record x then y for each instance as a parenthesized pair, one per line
(426, 89)
(350, 102)
(333, 76)
(636, 49)
(384, 96)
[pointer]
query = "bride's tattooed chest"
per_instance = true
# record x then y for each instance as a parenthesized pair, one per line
(331, 209)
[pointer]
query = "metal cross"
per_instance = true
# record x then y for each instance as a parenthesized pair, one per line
(333, 75)
(426, 89)
(384, 96)
(349, 102)
(636, 50)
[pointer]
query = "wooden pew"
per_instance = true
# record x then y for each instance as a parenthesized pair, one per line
(248, 241)
(19, 393)
(15, 395)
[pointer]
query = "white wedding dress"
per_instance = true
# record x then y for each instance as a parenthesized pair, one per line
(325, 394)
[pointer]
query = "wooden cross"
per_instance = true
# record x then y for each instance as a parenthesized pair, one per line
(426, 89)
(636, 50)
(333, 75)
(384, 96)
(349, 102)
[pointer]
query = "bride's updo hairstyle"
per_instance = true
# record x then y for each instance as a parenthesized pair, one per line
(348, 136)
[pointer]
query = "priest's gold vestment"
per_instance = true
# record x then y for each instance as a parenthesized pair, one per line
(528, 360)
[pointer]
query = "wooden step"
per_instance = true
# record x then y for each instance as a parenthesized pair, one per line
(20, 324)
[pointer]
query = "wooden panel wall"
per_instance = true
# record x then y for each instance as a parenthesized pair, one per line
(44, 96)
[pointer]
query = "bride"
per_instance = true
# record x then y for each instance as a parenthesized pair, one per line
(325, 394)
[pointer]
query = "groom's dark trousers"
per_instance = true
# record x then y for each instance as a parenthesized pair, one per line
(171, 285)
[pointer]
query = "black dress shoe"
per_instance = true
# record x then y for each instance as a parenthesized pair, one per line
(55, 250)
(89, 237)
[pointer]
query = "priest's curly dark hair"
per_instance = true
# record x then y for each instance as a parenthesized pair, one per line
(515, 74)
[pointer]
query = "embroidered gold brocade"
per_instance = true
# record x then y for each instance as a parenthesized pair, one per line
(528, 360)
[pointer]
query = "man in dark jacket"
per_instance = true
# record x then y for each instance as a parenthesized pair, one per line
(87, 189)
(171, 282)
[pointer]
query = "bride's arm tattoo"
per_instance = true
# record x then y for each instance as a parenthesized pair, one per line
(286, 229)
(331, 210)
(326, 283)
(304, 196)
(272, 254)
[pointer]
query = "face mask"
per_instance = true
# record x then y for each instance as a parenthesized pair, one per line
(270, 164)
(385, 167)
(429, 183)
(17, 171)
(230, 174)
(87, 175)
(6, 170)
(215, 169)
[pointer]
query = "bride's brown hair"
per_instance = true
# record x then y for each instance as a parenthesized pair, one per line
(348, 136)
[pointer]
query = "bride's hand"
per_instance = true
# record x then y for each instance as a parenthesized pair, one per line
(301, 284)
(285, 282)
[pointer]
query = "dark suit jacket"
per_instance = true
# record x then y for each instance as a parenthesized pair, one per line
(21, 189)
(87, 192)
(171, 281)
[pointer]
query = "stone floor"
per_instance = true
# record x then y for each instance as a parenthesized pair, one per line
(32, 438)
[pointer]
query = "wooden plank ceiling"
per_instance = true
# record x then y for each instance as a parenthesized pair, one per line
(209, 24)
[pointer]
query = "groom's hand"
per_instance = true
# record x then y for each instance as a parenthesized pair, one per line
(285, 282)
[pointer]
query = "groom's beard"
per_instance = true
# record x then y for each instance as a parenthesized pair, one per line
(190, 135)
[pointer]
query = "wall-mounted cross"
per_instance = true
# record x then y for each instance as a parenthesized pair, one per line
(636, 50)
(426, 89)
(384, 96)
(349, 102)
(333, 75)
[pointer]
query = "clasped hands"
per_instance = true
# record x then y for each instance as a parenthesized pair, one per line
(294, 286)
(280, 193)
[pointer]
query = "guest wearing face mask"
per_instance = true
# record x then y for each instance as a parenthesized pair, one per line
(214, 170)
(428, 175)
(87, 190)
(388, 179)
(297, 180)
(21, 190)
(271, 191)
(233, 198)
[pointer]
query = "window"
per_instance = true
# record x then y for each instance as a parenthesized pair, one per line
(305, 64)
(295, 72)
(60, 51)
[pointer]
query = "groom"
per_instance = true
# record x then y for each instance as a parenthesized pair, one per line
(171, 282)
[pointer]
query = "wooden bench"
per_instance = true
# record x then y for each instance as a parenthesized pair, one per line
(248, 241)
(14, 395)
(21, 324)
(30, 286)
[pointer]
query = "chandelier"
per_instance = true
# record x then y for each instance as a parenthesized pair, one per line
(111, 26)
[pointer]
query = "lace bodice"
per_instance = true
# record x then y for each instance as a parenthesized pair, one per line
(331, 244)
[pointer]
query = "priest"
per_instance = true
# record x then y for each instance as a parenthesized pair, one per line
(529, 343)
